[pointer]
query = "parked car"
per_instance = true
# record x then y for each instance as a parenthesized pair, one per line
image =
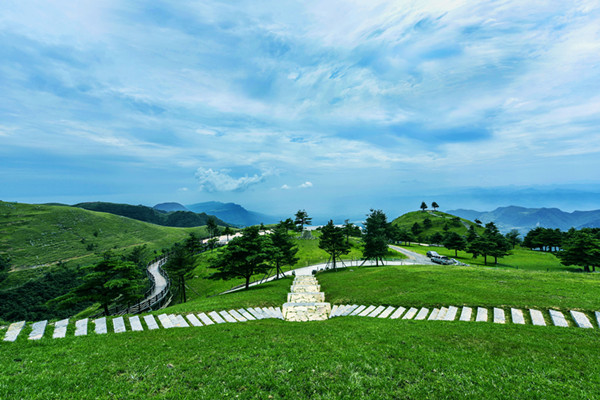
(442, 260)
(431, 254)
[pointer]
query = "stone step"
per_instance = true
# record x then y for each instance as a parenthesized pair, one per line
(193, 320)
(227, 317)
(60, 328)
(499, 317)
(451, 313)
(135, 324)
(315, 311)
(386, 313)
(13, 331)
(537, 318)
(581, 319)
(517, 316)
(305, 288)
(246, 314)
(558, 318)
(366, 311)
(178, 321)
(422, 314)
(442, 314)
(99, 328)
(347, 310)
(118, 325)
(410, 313)
(482, 315)
(396, 314)
(81, 327)
(150, 322)
(310, 297)
(237, 316)
(357, 310)
(434, 314)
(205, 320)
(165, 321)
(376, 311)
(37, 330)
(465, 314)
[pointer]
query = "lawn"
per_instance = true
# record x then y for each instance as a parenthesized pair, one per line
(434, 285)
(520, 258)
(343, 358)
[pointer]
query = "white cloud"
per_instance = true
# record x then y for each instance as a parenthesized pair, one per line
(285, 187)
(183, 189)
(221, 181)
(206, 132)
(306, 184)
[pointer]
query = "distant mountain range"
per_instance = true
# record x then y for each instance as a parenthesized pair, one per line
(524, 219)
(231, 213)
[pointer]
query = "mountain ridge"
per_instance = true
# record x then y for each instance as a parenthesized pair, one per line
(232, 213)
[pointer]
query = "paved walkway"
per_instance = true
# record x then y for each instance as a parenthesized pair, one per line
(159, 281)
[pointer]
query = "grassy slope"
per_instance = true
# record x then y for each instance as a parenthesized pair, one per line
(452, 285)
(438, 220)
(39, 234)
(520, 258)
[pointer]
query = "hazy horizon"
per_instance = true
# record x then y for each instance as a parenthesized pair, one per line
(331, 107)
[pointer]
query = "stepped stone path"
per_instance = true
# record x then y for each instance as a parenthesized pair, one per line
(306, 302)
(36, 330)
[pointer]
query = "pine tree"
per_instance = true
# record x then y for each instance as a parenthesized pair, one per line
(283, 249)
(376, 236)
(333, 242)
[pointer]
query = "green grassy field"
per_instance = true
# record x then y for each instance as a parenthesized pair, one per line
(343, 358)
(433, 285)
(520, 258)
(37, 235)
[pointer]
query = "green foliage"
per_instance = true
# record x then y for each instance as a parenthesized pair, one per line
(434, 205)
(350, 230)
(180, 219)
(110, 281)
(513, 237)
(440, 222)
(333, 242)
(181, 261)
(376, 236)
(301, 219)
(243, 256)
(423, 206)
(427, 223)
(283, 249)
(436, 238)
(4, 266)
(581, 249)
(454, 241)
(544, 239)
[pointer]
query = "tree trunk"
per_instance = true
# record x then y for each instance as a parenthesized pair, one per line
(105, 305)
(586, 268)
(277, 270)
(183, 288)
(333, 260)
(455, 253)
(485, 259)
(247, 282)
(495, 260)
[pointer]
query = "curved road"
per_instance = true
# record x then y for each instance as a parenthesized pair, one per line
(159, 281)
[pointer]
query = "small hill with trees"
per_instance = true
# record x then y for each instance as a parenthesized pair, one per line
(432, 226)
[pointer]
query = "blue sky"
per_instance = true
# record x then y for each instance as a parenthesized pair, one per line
(336, 106)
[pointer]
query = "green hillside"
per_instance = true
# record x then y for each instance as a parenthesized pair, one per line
(179, 219)
(438, 220)
(40, 235)
(342, 358)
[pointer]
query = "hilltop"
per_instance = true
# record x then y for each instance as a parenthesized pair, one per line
(438, 220)
(181, 219)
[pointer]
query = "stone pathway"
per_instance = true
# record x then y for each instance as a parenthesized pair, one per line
(101, 326)
(306, 302)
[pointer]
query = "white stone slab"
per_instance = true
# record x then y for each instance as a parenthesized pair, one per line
(81, 327)
(597, 314)
(410, 313)
(118, 325)
(278, 313)
(422, 314)
(151, 322)
(257, 312)
(396, 314)
(366, 311)
(465, 314)
(178, 321)
(386, 313)
(499, 317)
(246, 314)
(434, 314)
(537, 318)
(135, 324)
(37, 330)
(237, 316)
(558, 318)
(165, 321)
(482, 315)
(348, 310)
(376, 311)
(517, 316)
(205, 320)
(216, 317)
(451, 313)
(193, 320)
(581, 319)
(442, 314)
(358, 310)
(13, 331)
(100, 326)
(334, 310)
(60, 328)
(268, 313)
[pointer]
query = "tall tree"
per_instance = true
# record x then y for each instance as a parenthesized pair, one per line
(333, 242)
(213, 231)
(436, 238)
(416, 229)
(479, 246)
(499, 246)
(472, 234)
(4, 266)
(376, 236)
(435, 206)
(513, 237)
(350, 230)
(581, 248)
(427, 223)
(423, 206)
(138, 256)
(289, 224)
(110, 281)
(181, 262)
(301, 219)
(227, 232)
(454, 241)
(283, 250)
(243, 257)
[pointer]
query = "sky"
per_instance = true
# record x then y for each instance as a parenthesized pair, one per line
(335, 107)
